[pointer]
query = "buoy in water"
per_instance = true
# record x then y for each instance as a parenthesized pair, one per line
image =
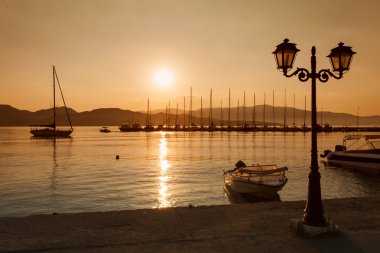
(117, 157)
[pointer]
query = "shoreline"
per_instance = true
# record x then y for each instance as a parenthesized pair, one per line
(254, 227)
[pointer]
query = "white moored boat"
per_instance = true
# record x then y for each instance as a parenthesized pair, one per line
(259, 180)
(360, 152)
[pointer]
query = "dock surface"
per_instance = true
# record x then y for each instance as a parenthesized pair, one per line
(251, 227)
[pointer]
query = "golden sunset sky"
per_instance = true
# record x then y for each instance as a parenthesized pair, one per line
(107, 53)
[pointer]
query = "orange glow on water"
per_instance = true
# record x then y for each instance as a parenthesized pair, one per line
(163, 195)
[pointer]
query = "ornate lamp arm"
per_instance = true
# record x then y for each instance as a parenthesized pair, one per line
(323, 75)
(303, 74)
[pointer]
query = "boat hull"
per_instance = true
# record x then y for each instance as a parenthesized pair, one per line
(367, 162)
(255, 188)
(50, 133)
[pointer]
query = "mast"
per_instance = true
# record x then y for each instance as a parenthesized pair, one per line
(254, 110)
(191, 107)
(221, 113)
(237, 115)
(63, 99)
(357, 120)
(294, 109)
(176, 115)
(201, 112)
(184, 111)
(244, 115)
(321, 116)
(304, 115)
(210, 120)
(54, 97)
(147, 114)
(264, 123)
(285, 110)
(169, 114)
(163, 118)
(274, 120)
(229, 107)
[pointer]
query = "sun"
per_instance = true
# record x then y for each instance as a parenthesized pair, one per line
(163, 78)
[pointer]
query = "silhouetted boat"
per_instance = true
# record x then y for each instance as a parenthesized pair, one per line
(51, 131)
(130, 128)
(125, 127)
(258, 180)
(360, 152)
(149, 127)
(105, 130)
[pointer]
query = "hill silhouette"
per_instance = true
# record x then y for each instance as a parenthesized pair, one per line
(10, 116)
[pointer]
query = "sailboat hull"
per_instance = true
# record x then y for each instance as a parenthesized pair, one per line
(50, 133)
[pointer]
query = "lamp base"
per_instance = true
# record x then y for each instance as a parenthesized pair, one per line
(302, 229)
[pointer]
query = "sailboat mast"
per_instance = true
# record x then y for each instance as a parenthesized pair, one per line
(304, 114)
(191, 107)
(63, 99)
(176, 115)
(229, 107)
(201, 112)
(166, 115)
(294, 109)
(210, 120)
(184, 111)
(357, 120)
(169, 114)
(54, 125)
(237, 115)
(264, 124)
(274, 120)
(244, 115)
(147, 114)
(221, 113)
(285, 110)
(163, 117)
(254, 109)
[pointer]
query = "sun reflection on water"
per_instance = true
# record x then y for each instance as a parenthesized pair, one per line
(163, 197)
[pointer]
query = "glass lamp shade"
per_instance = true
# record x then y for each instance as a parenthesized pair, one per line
(341, 57)
(285, 54)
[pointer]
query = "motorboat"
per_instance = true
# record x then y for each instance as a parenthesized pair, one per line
(257, 179)
(360, 152)
(51, 130)
(105, 130)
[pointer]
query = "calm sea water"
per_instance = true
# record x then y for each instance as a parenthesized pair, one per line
(154, 170)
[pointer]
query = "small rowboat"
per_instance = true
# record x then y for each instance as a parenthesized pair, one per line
(259, 180)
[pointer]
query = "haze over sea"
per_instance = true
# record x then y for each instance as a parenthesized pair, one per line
(155, 170)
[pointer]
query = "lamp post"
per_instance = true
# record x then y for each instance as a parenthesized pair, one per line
(340, 58)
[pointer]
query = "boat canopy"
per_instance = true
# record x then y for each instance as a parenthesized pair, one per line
(358, 136)
(361, 142)
(261, 169)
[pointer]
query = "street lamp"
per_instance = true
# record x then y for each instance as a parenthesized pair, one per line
(340, 58)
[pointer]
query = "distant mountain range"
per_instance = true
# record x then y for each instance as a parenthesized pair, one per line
(10, 116)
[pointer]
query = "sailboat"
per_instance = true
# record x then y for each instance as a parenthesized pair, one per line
(51, 131)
